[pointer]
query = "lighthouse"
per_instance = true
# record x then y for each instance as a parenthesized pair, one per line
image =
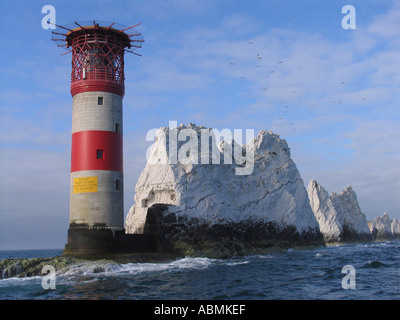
(96, 215)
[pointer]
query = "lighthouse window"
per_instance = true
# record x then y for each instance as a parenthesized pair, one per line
(100, 101)
(99, 154)
(117, 128)
(118, 184)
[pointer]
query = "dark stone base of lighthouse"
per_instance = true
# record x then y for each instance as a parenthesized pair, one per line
(101, 241)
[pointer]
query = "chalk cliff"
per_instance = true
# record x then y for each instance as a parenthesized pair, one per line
(384, 228)
(395, 226)
(324, 211)
(339, 215)
(216, 208)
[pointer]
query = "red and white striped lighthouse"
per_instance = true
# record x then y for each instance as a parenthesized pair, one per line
(97, 88)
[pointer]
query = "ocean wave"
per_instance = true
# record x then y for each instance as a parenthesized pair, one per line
(116, 269)
(177, 265)
(112, 268)
(89, 268)
(14, 281)
(303, 274)
(236, 263)
(375, 264)
(260, 256)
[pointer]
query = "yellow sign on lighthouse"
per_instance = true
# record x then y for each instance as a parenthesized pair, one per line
(85, 184)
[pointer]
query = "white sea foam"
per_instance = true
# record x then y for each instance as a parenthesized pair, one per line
(110, 268)
(237, 263)
(177, 265)
(261, 256)
(14, 281)
(89, 268)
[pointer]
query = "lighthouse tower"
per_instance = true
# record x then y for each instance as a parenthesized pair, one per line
(96, 217)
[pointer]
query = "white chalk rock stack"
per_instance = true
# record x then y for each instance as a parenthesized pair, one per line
(395, 227)
(339, 215)
(254, 193)
(324, 211)
(384, 228)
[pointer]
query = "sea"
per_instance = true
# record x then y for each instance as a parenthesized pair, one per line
(362, 271)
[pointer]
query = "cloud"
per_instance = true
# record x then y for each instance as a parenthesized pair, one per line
(386, 25)
(342, 93)
(162, 75)
(163, 10)
(335, 100)
(34, 197)
(44, 127)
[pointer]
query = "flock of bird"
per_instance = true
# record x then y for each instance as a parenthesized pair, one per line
(284, 101)
(285, 106)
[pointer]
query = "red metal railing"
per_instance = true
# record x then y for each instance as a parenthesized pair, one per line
(98, 54)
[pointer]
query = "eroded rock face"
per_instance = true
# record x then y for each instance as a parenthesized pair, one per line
(25, 267)
(325, 213)
(384, 228)
(339, 215)
(395, 227)
(189, 237)
(211, 203)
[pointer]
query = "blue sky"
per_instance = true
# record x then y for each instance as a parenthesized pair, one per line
(332, 94)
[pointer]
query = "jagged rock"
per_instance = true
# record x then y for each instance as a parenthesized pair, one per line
(211, 206)
(395, 227)
(30, 267)
(353, 220)
(24, 267)
(325, 213)
(339, 215)
(384, 228)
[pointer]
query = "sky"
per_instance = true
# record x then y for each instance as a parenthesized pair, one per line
(331, 93)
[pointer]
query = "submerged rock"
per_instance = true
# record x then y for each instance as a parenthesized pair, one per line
(213, 209)
(68, 265)
(339, 215)
(32, 267)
